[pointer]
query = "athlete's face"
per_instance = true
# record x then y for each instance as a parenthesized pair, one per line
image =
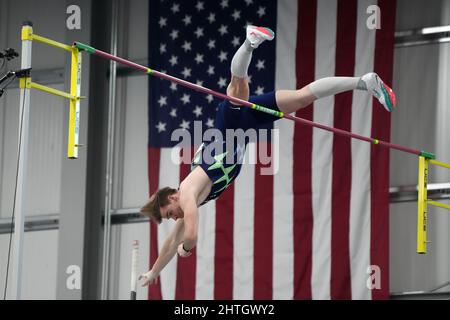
(172, 210)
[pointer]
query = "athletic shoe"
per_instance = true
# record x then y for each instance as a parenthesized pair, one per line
(380, 90)
(256, 35)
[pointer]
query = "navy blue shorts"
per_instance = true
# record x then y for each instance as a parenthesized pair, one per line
(231, 116)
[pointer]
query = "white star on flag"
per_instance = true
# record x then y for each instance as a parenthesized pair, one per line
(261, 11)
(211, 18)
(187, 46)
(161, 126)
(162, 22)
(222, 82)
(173, 113)
(186, 72)
(236, 15)
(174, 34)
(236, 41)
(197, 111)
(186, 98)
(162, 48)
(224, 4)
(198, 58)
(173, 60)
(210, 70)
(223, 30)
(210, 98)
(187, 20)
(211, 44)
(173, 86)
(260, 65)
(259, 90)
(175, 8)
(199, 32)
(162, 101)
(210, 123)
(200, 5)
(185, 124)
(223, 56)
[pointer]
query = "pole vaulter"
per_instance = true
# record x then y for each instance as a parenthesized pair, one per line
(425, 158)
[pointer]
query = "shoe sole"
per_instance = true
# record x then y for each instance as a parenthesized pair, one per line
(266, 32)
(389, 96)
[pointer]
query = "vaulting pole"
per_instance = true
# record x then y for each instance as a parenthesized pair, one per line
(134, 267)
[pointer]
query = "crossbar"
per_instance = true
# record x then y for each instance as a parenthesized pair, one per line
(199, 88)
(423, 201)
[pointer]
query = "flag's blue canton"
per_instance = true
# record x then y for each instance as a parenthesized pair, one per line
(195, 41)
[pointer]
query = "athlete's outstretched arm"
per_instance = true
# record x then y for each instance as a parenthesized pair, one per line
(190, 210)
(168, 251)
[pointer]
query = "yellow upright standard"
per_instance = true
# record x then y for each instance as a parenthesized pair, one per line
(26, 84)
(423, 201)
(74, 111)
(75, 87)
(422, 206)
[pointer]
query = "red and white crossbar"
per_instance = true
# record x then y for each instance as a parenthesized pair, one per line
(279, 114)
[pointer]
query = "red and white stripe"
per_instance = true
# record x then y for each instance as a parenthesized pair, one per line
(312, 230)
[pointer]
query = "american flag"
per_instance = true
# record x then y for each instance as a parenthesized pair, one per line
(195, 41)
(317, 228)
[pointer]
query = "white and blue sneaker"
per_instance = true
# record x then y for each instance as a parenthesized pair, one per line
(257, 35)
(380, 90)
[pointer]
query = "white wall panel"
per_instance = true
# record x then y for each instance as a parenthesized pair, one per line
(39, 265)
(46, 151)
(135, 176)
(121, 259)
(421, 82)
(49, 20)
(410, 271)
(138, 26)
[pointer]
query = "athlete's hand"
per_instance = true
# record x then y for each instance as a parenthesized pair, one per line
(183, 253)
(149, 277)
